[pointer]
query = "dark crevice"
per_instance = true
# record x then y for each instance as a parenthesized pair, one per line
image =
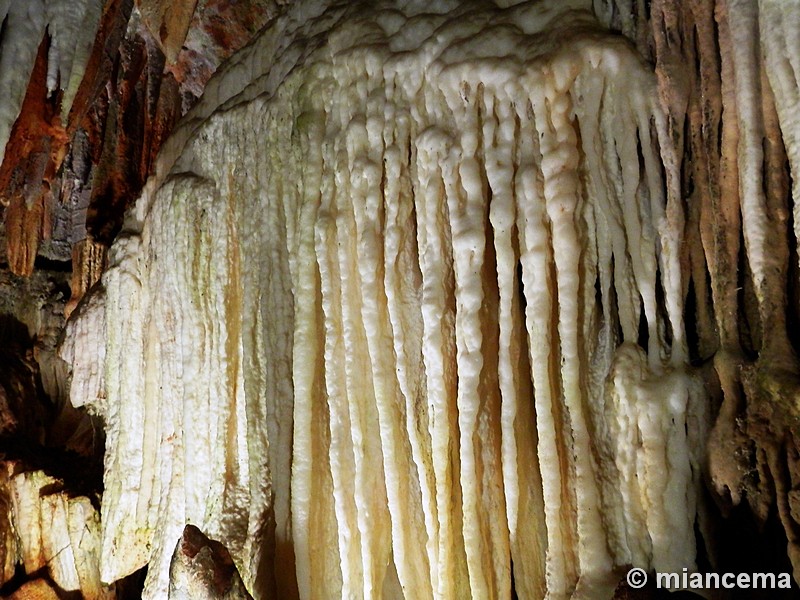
(661, 309)
(521, 287)
(644, 331)
(614, 304)
(42, 263)
(748, 313)
(3, 29)
(21, 578)
(78, 475)
(745, 546)
(598, 297)
(132, 586)
(514, 595)
(691, 324)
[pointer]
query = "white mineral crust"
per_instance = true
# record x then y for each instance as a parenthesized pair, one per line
(374, 321)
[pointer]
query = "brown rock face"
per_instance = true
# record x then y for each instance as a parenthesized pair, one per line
(34, 152)
(66, 177)
(730, 166)
(168, 22)
(202, 568)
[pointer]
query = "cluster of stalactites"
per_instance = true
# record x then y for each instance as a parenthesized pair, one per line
(70, 27)
(408, 320)
(488, 255)
(728, 83)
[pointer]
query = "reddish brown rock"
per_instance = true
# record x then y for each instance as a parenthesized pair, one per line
(168, 21)
(202, 568)
(142, 107)
(88, 263)
(33, 155)
(149, 64)
(218, 29)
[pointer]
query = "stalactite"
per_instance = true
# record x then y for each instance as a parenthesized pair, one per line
(726, 79)
(89, 261)
(778, 37)
(410, 304)
(70, 25)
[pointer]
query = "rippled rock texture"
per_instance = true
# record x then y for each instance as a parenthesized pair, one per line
(430, 300)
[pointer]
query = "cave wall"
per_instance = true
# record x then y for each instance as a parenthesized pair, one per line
(433, 302)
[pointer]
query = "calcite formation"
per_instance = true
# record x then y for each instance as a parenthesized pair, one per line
(728, 83)
(402, 312)
(70, 25)
(53, 531)
(83, 85)
(446, 299)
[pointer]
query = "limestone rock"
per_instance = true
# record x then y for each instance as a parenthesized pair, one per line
(202, 569)
(420, 299)
(54, 531)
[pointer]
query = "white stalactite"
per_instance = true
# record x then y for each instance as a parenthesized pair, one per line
(375, 320)
(779, 28)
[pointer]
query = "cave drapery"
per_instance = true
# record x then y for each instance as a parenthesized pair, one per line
(419, 299)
